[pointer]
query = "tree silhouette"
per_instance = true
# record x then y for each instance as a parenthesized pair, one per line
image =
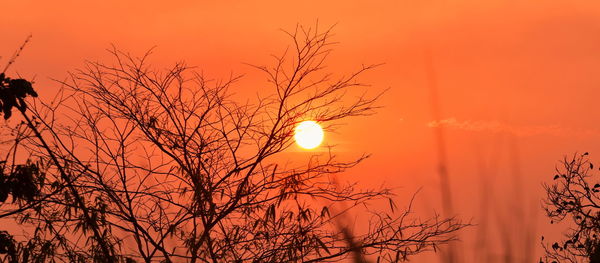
(142, 164)
(574, 197)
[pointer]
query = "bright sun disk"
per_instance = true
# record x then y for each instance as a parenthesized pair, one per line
(308, 134)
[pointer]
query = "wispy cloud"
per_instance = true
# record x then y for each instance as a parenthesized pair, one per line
(500, 127)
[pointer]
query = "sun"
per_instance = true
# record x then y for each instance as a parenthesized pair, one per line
(308, 134)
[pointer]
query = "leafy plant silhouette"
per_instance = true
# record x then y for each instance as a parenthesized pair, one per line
(13, 93)
(574, 197)
(21, 181)
(24, 182)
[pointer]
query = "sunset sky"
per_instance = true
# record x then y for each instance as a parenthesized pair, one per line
(518, 84)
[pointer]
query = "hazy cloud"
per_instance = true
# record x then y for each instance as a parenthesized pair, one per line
(500, 127)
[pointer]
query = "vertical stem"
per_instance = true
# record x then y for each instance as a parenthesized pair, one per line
(440, 145)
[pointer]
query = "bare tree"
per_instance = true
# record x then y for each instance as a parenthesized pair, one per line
(147, 164)
(574, 197)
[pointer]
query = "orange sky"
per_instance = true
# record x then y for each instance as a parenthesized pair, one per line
(518, 82)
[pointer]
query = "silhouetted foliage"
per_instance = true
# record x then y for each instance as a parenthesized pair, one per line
(21, 182)
(574, 197)
(146, 164)
(13, 93)
(8, 246)
(24, 183)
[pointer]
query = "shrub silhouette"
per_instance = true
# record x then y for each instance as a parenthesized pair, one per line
(573, 196)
